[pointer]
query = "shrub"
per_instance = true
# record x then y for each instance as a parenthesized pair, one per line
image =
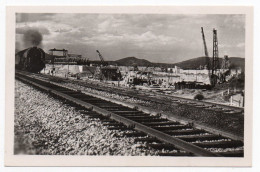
(199, 97)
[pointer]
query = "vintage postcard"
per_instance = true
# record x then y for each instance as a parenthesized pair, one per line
(129, 86)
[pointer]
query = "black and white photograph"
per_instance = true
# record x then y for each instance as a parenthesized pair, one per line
(132, 84)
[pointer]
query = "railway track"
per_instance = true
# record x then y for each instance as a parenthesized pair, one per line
(210, 117)
(146, 96)
(162, 133)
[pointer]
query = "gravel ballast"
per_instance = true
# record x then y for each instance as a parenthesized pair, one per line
(232, 123)
(46, 126)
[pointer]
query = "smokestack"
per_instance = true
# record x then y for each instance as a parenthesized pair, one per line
(32, 38)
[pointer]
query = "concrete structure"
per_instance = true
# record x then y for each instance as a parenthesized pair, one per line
(237, 100)
(107, 73)
(166, 80)
(87, 71)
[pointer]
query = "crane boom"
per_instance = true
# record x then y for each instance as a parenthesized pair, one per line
(204, 42)
(101, 57)
(143, 72)
(103, 63)
(206, 54)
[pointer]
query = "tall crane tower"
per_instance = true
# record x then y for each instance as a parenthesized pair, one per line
(214, 65)
(215, 60)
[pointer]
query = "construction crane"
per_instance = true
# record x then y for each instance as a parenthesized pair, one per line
(101, 59)
(215, 60)
(206, 54)
(93, 73)
(212, 67)
(142, 72)
(204, 42)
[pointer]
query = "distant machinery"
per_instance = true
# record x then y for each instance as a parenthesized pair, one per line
(225, 69)
(223, 72)
(65, 56)
(142, 72)
(139, 80)
(206, 52)
(104, 72)
(65, 52)
(204, 43)
(75, 55)
(212, 67)
(215, 59)
(103, 63)
(225, 63)
(92, 72)
(62, 57)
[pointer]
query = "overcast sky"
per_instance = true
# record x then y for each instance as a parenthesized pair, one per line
(165, 38)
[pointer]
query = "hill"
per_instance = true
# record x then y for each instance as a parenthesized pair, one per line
(131, 61)
(192, 63)
(235, 62)
(195, 63)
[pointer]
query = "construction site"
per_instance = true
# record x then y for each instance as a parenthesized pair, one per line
(131, 85)
(216, 80)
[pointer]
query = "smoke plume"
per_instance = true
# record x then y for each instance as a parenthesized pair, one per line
(32, 38)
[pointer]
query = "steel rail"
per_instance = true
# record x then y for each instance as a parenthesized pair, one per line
(190, 102)
(178, 143)
(152, 111)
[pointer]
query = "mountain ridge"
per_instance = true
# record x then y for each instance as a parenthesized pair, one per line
(194, 63)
